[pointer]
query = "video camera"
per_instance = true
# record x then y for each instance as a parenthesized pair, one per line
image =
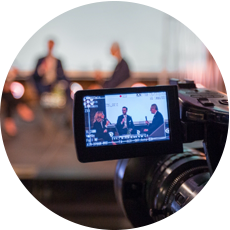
(147, 129)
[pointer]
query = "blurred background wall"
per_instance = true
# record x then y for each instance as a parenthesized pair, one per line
(155, 45)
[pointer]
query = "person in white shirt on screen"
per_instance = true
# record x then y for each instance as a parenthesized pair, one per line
(124, 123)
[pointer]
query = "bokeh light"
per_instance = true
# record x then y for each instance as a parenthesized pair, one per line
(17, 90)
(139, 84)
(74, 88)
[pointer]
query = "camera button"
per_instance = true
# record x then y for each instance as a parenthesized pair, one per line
(205, 102)
(223, 102)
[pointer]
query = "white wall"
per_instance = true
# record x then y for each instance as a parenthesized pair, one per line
(138, 106)
(150, 39)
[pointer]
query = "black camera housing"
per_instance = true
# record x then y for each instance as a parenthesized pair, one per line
(204, 116)
(156, 179)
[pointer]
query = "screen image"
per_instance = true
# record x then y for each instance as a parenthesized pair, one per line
(126, 118)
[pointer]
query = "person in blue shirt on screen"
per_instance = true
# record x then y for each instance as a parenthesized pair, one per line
(157, 121)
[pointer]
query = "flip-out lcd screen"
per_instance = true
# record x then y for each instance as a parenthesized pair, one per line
(119, 119)
(128, 122)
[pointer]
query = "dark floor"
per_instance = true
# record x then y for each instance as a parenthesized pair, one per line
(44, 158)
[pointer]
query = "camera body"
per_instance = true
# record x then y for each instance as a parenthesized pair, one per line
(157, 174)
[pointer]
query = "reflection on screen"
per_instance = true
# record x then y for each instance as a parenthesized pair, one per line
(126, 118)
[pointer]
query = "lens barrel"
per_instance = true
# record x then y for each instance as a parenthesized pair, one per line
(151, 188)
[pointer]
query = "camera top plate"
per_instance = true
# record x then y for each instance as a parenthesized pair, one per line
(203, 105)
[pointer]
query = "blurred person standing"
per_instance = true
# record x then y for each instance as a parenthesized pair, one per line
(12, 105)
(121, 73)
(48, 71)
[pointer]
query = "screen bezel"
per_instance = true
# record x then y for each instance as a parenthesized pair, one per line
(112, 152)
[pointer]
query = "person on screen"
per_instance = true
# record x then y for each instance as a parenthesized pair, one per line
(125, 123)
(100, 125)
(121, 72)
(49, 72)
(157, 121)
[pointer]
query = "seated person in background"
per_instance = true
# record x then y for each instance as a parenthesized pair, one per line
(98, 79)
(49, 72)
(100, 124)
(157, 121)
(121, 72)
(125, 123)
(13, 105)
